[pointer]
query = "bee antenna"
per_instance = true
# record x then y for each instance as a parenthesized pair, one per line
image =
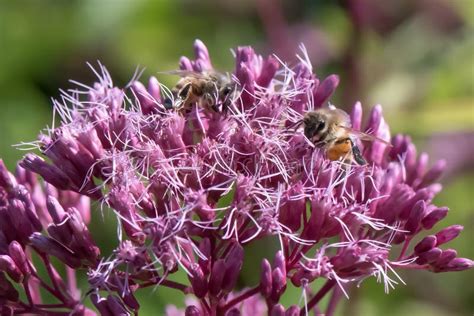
(294, 125)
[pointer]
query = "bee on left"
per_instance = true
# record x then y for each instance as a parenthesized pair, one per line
(210, 90)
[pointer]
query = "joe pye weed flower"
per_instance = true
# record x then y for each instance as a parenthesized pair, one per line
(191, 189)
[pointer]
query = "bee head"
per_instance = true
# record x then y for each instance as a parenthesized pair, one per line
(314, 124)
(225, 95)
(226, 90)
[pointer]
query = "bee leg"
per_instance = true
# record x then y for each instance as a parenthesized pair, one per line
(357, 154)
(184, 92)
(225, 105)
(209, 102)
(168, 104)
(215, 108)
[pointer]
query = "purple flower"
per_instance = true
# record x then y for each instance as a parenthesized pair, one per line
(191, 190)
(33, 221)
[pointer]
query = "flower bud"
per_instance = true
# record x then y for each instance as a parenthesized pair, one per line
(429, 256)
(144, 98)
(325, 90)
(130, 300)
(100, 304)
(390, 208)
(293, 310)
(7, 180)
(410, 155)
(415, 176)
(247, 81)
(291, 210)
(347, 258)
(202, 54)
(18, 255)
(280, 262)
(278, 284)
(434, 173)
(51, 247)
(60, 233)
(7, 290)
(192, 310)
(7, 231)
(185, 64)
(55, 209)
(447, 234)
(266, 279)
(83, 242)
(356, 116)
(233, 261)
(16, 214)
(312, 229)
(277, 310)
(434, 217)
(424, 194)
(120, 201)
(426, 244)
(91, 140)
(23, 194)
(8, 265)
(116, 306)
(269, 68)
(459, 264)
(198, 281)
(50, 173)
(7, 311)
(217, 276)
(205, 249)
(154, 88)
(233, 312)
(446, 257)
(414, 219)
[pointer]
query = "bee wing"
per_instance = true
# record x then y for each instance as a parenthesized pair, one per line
(183, 73)
(365, 136)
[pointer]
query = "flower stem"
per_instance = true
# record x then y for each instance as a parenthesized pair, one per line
(45, 286)
(297, 254)
(245, 295)
(27, 292)
(168, 283)
(318, 296)
(412, 266)
(55, 280)
(72, 282)
(335, 297)
(206, 305)
(405, 247)
(286, 247)
(38, 310)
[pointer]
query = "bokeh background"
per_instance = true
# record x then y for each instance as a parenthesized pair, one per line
(415, 57)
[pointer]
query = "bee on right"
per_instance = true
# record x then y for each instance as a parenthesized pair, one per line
(330, 128)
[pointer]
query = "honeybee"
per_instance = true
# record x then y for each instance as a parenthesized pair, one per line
(330, 128)
(211, 90)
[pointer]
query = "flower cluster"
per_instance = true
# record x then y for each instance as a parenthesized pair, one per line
(192, 189)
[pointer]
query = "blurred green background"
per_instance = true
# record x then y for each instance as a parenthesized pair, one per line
(415, 57)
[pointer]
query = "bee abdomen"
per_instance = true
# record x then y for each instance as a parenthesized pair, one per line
(341, 149)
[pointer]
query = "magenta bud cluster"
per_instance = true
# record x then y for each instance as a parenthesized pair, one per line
(192, 189)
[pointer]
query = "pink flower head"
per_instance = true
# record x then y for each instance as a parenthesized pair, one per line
(191, 189)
